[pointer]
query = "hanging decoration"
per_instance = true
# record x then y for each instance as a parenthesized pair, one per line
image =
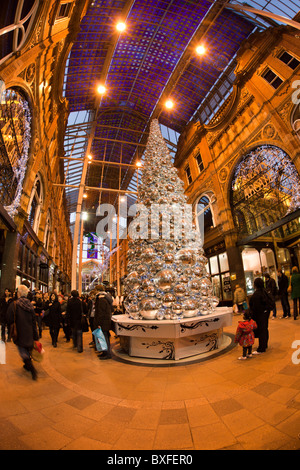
(19, 108)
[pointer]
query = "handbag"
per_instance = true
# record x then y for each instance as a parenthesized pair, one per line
(13, 328)
(245, 305)
(100, 340)
(84, 322)
(37, 352)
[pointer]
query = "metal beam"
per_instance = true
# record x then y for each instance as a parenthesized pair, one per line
(101, 162)
(267, 14)
(106, 139)
(94, 188)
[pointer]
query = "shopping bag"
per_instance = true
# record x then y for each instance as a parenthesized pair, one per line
(100, 340)
(245, 305)
(2, 352)
(37, 352)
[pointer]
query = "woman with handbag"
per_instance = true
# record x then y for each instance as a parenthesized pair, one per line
(21, 316)
(75, 313)
(54, 318)
(103, 314)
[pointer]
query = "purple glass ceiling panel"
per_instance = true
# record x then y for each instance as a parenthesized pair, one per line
(143, 61)
(222, 42)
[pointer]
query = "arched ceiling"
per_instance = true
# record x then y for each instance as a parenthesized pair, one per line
(152, 60)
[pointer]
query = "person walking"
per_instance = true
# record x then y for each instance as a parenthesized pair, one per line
(54, 318)
(245, 335)
(75, 311)
(283, 284)
(271, 288)
(4, 304)
(260, 312)
(21, 311)
(38, 306)
(239, 297)
(66, 319)
(103, 314)
(295, 284)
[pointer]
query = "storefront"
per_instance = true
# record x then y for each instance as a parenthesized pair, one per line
(218, 268)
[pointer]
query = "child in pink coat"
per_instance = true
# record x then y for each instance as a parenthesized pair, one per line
(245, 335)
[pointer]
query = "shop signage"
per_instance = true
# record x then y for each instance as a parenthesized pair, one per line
(260, 183)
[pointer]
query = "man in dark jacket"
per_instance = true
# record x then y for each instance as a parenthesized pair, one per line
(103, 314)
(260, 313)
(23, 312)
(74, 312)
(38, 309)
(271, 288)
(283, 284)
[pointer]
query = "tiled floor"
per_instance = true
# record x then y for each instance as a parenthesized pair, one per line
(80, 402)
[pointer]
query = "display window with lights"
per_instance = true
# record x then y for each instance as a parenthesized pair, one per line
(265, 202)
(218, 268)
(265, 188)
(15, 139)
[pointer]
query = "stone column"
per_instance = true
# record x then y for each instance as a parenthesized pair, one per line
(235, 261)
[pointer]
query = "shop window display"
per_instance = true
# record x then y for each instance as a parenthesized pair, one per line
(265, 188)
(15, 137)
(218, 268)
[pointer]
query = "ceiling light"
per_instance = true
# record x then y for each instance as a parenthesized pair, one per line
(85, 196)
(169, 104)
(200, 50)
(121, 26)
(138, 164)
(101, 89)
(90, 157)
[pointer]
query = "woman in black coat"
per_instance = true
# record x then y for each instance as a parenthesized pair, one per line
(74, 312)
(22, 312)
(103, 313)
(54, 318)
(260, 314)
(4, 304)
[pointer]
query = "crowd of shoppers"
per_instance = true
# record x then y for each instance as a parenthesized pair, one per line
(33, 312)
(255, 323)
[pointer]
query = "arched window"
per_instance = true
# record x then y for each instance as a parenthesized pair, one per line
(47, 231)
(35, 204)
(265, 188)
(16, 25)
(204, 214)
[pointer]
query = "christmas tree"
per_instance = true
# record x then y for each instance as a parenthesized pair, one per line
(167, 268)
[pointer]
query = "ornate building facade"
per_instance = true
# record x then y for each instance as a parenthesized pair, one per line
(36, 242)
(241, 169)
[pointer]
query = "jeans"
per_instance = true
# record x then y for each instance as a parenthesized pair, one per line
(54, 335)
(77, 339)
(263, 332)
(107, 339)
(295, 301)
(247, 350)
(285, 305)
(39, 321)
(24, 353)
